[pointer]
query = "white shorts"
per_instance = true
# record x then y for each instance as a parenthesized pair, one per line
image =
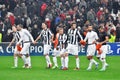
(46, 49)
(104, 49)
(25, 49)
(72, 49)
(91, 50)
(58, 52)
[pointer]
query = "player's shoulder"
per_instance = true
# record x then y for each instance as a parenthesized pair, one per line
(42, 31)
(94, 32)
(69, 30)
(24, 30)
(64, 34)
(48, 30)
(57, 35)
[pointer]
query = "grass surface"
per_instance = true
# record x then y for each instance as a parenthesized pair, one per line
(38, 71)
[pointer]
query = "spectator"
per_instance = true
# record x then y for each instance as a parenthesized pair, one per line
(116, 21)
(33, 8)
(17, 10)
(118, 32)
(112, 36)
(82, 4)
(35, 31)
(26, 21)
(91, 16)
(11, 18)
(36, 20)
(57, 20)
(3, 28)
(18, 20)
(8, 37)
(43, 8)
(115, 6)
(60, 12)
(7, 23)
(48, 22)
(23, 9)
(100, 14)
(3, 12)
(111, 27)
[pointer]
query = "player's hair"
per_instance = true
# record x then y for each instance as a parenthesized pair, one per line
(89, 25)
(20, 25)
(73, 23)
(101, 27)
(60, 28)
(45, 24)
(14, 25)
(57, 29)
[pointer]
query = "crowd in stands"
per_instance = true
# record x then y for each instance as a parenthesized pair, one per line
(31, 13)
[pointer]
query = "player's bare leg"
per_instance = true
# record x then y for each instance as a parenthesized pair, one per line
(48, 61)
(91, 62)
(28, 61)
(24, 59)
(66, 60)
(55, 59)
(15, 61)
(55, 62)
(62, 61)
(77, 62)
(104, 64)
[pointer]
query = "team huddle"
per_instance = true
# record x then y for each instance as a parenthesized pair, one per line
(64, 44)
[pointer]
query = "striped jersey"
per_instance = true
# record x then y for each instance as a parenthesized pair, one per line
(62, 41)
(73, 36)
(46, 35)
(17, 36)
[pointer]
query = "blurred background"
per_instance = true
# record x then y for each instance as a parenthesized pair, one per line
(56, 13)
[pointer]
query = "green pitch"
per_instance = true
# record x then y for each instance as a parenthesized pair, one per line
(38, 71)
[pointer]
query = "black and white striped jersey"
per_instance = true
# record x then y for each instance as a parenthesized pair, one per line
(46, 35)
(62, 41)
(73, 36)
(17, 36)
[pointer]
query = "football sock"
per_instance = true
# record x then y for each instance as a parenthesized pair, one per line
(77, 63)
(16, 61)
(66, 61)
(55, 61)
